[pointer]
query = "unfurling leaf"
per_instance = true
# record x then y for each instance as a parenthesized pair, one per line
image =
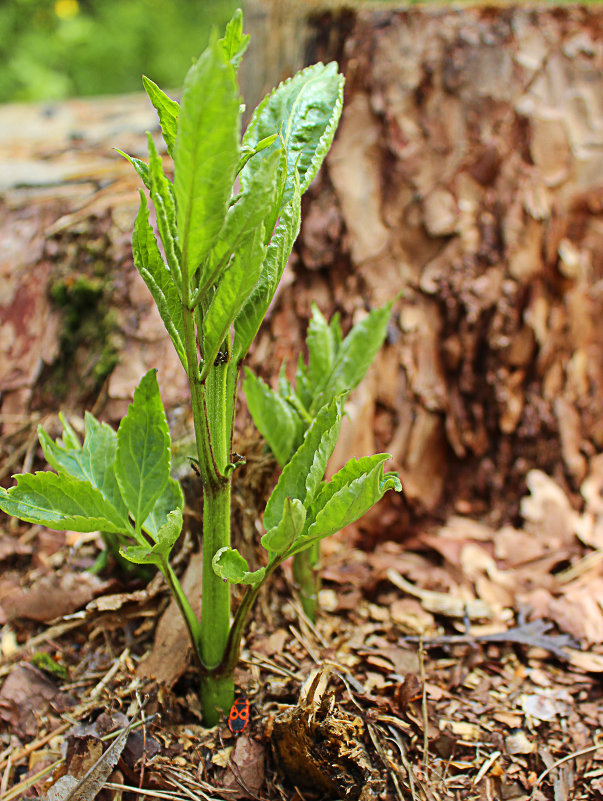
(279, 539)
(234, 42)
(230, 566)
(165, 539)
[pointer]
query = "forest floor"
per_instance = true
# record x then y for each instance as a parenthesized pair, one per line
(425, 676)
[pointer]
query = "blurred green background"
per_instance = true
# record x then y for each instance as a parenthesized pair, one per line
(51, 49)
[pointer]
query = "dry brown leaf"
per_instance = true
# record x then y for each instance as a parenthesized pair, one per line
(245, 769)
(172, 649)
(25, 694)
(53, 595)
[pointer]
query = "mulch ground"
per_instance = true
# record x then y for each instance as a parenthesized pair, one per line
(464, 663)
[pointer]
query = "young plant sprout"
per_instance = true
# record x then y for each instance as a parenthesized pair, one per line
(335, 365)
(223, 250)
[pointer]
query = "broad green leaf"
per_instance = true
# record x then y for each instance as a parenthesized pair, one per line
(350, 472)
(150, 265)
(141, 168)
(274, 418)
(347, 497)
(250, 317)
(305, 109)
(92, 461)
(167, 110)
(302, 475)
(206, 153)
(234, 42)
(162, 195)
(322, 348)
(230, 566)
(354, 356)
(280, 538)
(62, 503)
(142, 465)
(159, 553)
(232, 291)
(243, 218)
(170, 499)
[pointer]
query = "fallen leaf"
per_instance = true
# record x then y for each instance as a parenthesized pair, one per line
(24, 696)
(172, 650)
(245, 770)
(53, 595)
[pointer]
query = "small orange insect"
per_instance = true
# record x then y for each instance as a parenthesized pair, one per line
(238, 717)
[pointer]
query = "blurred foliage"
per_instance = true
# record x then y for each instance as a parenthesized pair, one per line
(52, 49)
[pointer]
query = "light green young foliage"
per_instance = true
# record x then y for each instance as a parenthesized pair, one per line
(213, 267)
(116, 482)
(335, 365)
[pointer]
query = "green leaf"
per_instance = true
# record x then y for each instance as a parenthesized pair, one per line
(249, 152)
(234, 43)
(347, 497)
(159, 553)
(142, 465)
(306, 109)
(274, 418)
(93, 461)
(206, 153)
(303, 387)
(322, 347)
(167, 110)
(302, 475)
(230, 566)
(280, 538)
(248, 322)
(243, 218)
(355, 356)
(69, 439)
(234, 288)
(171, 498)
(162, 195)
(141, 168)
(62, 503)
(156, 276)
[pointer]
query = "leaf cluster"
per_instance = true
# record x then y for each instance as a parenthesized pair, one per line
(115, 482)
(334, 365)
(303, 508)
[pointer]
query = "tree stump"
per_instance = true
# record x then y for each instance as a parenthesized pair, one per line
(467, 175)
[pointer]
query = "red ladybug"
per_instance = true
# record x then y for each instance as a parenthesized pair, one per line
(238, 717)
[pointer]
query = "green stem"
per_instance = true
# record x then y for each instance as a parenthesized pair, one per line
(212, 436)
(306, 574)
(190, 618)
(233, 646)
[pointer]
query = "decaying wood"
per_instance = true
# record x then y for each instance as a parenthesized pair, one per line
(467, 174)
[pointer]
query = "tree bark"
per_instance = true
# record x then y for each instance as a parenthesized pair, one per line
(467, 173)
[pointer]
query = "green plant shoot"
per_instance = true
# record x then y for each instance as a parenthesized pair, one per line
(212, 268)
(334, 365)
